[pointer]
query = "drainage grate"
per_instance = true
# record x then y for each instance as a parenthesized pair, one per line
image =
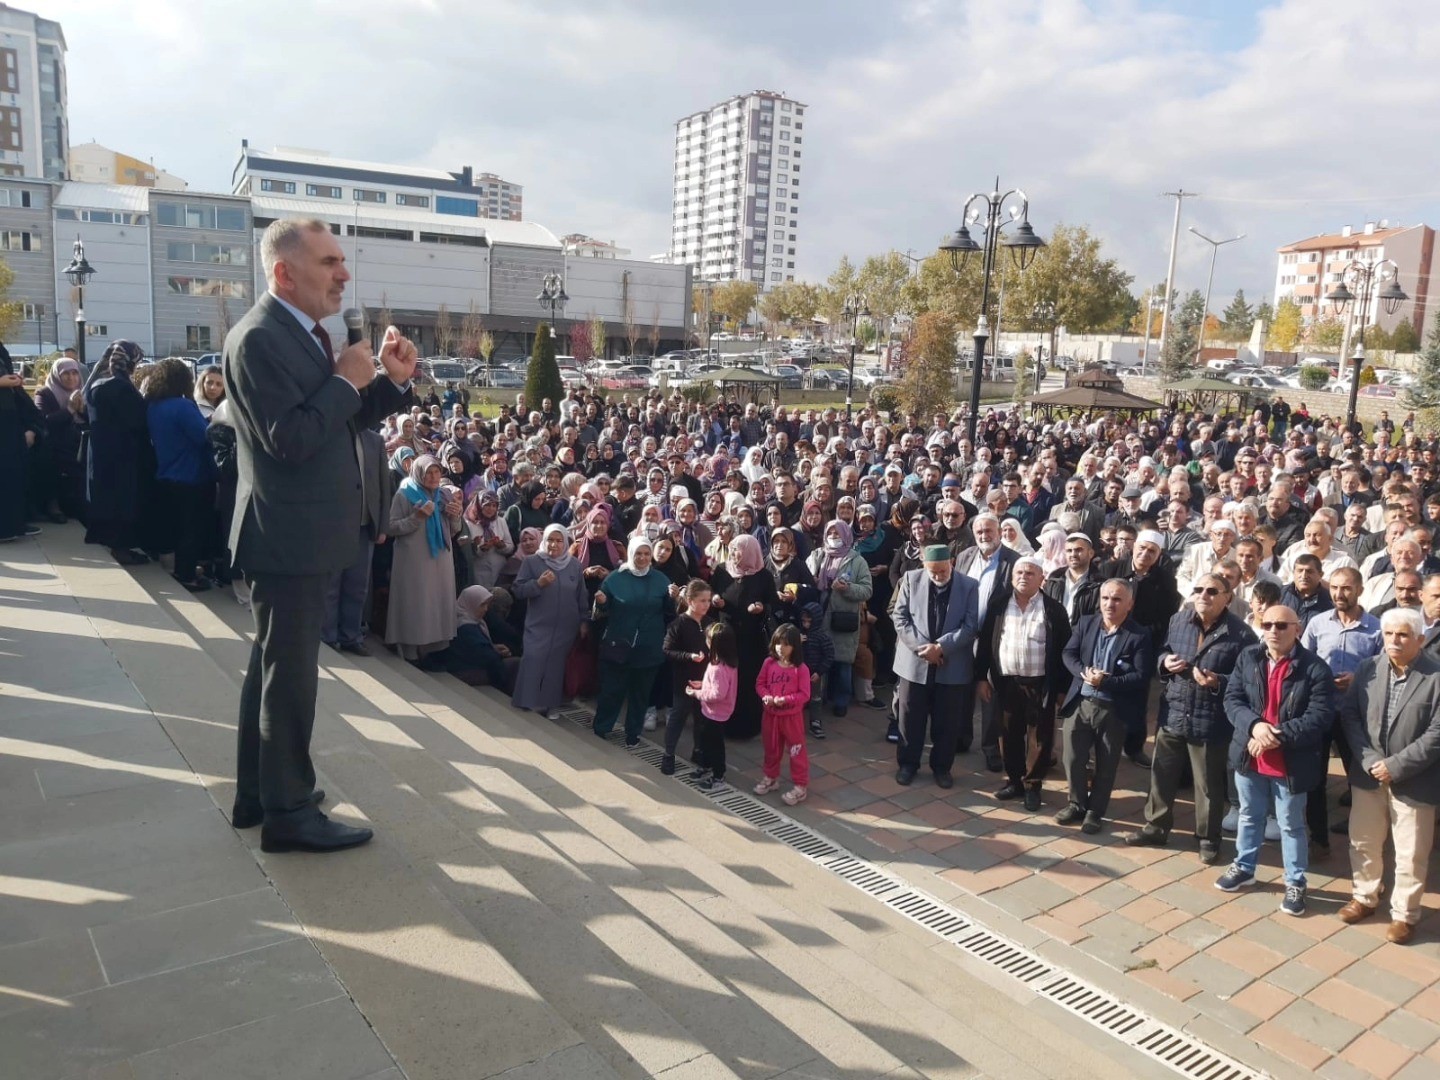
(1174, 1049)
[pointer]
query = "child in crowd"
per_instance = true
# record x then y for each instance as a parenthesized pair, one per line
(716, 695)
(819, 651)
(784, 689)
(685, 649)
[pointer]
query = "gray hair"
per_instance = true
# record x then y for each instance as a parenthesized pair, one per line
(283, 239)
(1409, 616)
(985, 516)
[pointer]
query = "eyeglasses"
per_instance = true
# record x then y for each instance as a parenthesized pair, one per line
(1276, 625)
(1200, 590)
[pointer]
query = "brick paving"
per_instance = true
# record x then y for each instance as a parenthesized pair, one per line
(1333, 999)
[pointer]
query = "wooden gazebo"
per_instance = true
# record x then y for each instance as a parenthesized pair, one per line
(1092, 390)
(1212, 395)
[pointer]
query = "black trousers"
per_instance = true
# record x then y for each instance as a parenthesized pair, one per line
(1027, 728)
(685, 708)
(188, 509)
(934, 707)
(1317, 806)
(1210, 765)
(989, 722)
(277, 702)
(710, 744)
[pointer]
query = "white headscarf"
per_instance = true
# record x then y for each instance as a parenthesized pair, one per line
(636, 543)
(563, 560)
(752, 468)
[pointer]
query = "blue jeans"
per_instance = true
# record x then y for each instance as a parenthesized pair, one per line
(840, 684)
(1256, 795)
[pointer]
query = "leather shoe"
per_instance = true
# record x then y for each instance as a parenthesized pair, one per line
(1010, 791)
(1400, 933)
(993, 761)
(1032, 799)
(318, 834)
(904, 775)
(355, 648)
(247, 817)
(1354, 911)
(944, 780)
(1141, 758)
(1146, 838)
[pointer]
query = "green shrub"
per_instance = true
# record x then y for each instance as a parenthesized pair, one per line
(542, 380)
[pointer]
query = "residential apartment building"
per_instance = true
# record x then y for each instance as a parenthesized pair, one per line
(91, 163)
(1309, 269)
(314, 174)
(738, 170)
(589, 247)
(34, 110)
(175, 270)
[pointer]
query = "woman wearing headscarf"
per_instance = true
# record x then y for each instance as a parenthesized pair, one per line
(634, 604)
(63, 477)
(21, 427)
(120, 465)
(753, 466)
(553, 589)
(1051, 552)
(473, 655)
(876, 544)
(530, 511)
(424, 516)
(1013, 537)
(811, 531)
(400, 461)
(794, 584)
(844, 581)
(599, 555)
(745, 595)
(486, 538)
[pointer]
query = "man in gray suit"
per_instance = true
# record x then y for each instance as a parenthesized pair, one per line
(1391, 719)
(343, 628)
(298, 407)
(936, 616)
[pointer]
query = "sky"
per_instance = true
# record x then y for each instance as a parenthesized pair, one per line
(1289, 118)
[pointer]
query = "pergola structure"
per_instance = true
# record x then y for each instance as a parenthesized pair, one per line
(1092, 390)
(1212, 395)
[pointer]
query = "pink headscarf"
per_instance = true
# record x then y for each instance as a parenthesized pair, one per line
(746, 557)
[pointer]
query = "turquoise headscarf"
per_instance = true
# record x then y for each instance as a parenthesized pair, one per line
(418, 496)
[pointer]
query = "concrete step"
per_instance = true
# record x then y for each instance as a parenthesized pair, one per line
(560, 888)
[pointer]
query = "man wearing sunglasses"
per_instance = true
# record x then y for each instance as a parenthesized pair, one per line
(1281, 701)
(1201, 646)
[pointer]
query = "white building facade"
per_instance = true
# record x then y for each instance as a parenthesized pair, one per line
(34, 99)
(737, 189)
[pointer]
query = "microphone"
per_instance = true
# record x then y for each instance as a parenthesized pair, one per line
(354, 324)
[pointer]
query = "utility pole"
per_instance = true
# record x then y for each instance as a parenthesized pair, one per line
(1179, 196)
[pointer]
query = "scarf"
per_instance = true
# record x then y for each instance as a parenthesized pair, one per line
(399, 460)
(53, 384)
(418, 496)
(560, 562)
(832, 561)
(475, 517)
(745, 557)
(636, 543)
(871, 541)
(469, 605)
(606, 544)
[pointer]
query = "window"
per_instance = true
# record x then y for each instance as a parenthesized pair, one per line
(791, 251)
(15, 240)
(9, 71)
(780, 206)
(797, 154)
(197, 337)
(790, 265)
(445, 204)
(199, 216)
(368, 196)
(184, 251)
(779, 234)
(32, 311)
(778, 263)
(451, 238)
(366, 232)
(785, 150)
(11, 197)
(322, 191)
(421, 201)
(798, 140)
(97, 330)
(282, 187)
(785, 106)
(775, 277)
(792, 235)
(188, 286)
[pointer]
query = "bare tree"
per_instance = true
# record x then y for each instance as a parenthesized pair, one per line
(383, 318)
(445, 334)
(632, 328)
(599, 337)
(654, 334)
(223, 321)
(470, 327)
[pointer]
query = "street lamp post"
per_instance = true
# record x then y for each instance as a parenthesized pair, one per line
(1045, 315)
(1215, 246)
(854, 308)
(79, 273)
(1150, 305)
(552, 295)
(1357, 281)
(1023, 245)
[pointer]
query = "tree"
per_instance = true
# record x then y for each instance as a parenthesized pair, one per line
(632, 327)
(882, 280)
(1425, 394)
(1264, 313)
(1238, 317)
(654, 335)
(1313, 377)
(543, 379)
(445, 333)
(1156, 312)
(599, 337)
(1327, 332)
(703, 307)
(1403, 338)
(485, 345)
(839, 287)
(1179, 355)
(1285, 327)
(1069, 277)
(775, 306)
(804, 300)
(384, 318)
(1024, 377)
(928, 384)
(470, 327)
(734, 300)
(580, 343)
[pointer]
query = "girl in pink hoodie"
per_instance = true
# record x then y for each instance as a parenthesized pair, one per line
(784, 689)
(716, 694)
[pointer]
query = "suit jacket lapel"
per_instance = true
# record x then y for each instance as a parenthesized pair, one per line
(301, 334)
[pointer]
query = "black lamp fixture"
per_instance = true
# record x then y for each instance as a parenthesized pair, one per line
(553, 295)
(1364, 275)
(79, 273)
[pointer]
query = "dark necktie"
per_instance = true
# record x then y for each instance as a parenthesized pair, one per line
(324, 338)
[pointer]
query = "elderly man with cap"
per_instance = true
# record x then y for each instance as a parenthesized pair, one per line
(1152, 578)
(1019, 664)
(936, 617)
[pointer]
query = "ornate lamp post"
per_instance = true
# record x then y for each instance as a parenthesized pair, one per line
(853, 310)
(1023, 244)
(552, 295)
(1357, 281)
(79, 273)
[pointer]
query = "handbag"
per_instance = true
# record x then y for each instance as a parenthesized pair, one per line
(582, 674)
(845, 622)
(618, 652)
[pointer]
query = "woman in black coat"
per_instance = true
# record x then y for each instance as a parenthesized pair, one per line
(119, 469)
(794, 584)
(20, 429)
(745, 596)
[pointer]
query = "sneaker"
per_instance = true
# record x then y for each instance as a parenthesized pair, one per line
(632, 741)
(875, 703)
(651, 720)
(1235, 879)
(1231, 821)
(713, 783)
(698, 773)
(1272, 830)
(667, 765)
(817, 729)
(795, 796)
(1294, 902)
(766, 785)
(892, 733)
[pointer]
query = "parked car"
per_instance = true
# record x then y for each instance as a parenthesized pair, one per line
(209, 359)
(501, 378)
(440, 370)
(791, 377)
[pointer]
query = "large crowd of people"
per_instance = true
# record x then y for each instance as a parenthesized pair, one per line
(1223, 600)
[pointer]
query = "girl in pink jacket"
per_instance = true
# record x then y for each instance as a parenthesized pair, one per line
(784, 689)
(716, 695)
